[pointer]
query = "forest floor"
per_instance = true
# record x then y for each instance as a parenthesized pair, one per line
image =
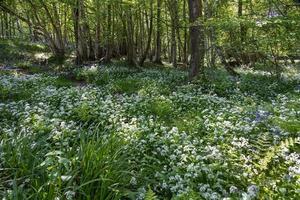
(110, 132)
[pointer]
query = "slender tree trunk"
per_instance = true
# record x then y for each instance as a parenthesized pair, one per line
(20, 28)
(98, 53)
(10, 26)
(6, 26)
(65, 27)
(91, 50)
(131, 54)
(173, 7)
(150, 29)
(185, 58)
(124, 50)
(196, 38)
(59, 46)
(108, 54)
(2, 24)
(242, 27)
(180, 46)
(211, 40)
(157, 58)
(177, 28)
(140, 34)
(77, 32)
(84, 51)
(14, 26)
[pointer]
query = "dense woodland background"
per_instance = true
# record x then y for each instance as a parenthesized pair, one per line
(235, 32)
(149, 99)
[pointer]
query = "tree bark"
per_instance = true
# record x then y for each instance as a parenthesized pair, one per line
(108, 53)
(242, 27)
(131, 54)
(157, 58)
(2, 24)
(150, 29)
(185, 58)
(196, 38)
(173, 12)
(59, 46)
(76, 15)
(84, 47)
(98, 52)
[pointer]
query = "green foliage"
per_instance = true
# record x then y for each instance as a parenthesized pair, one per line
(84, 112)
(103, 169)
(132, 133)
(102, 79)
(217, 137)
(269, 163)
(218, 82)
(128, 86)
(292, 126)
(150, 195)
(161, 107)
(63, 82)
(87, 75)
(189, 123)
(15, 50)
(271, 85)
(10, 94)
(31, 69)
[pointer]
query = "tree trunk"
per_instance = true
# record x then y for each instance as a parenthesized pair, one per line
(150, 29)
(211, 36)
(108, 53)
(131, 54)
(157, 58)
(185, 58)
(78, 60)
(98, 53)
(173, 7)
(196, 38)
(2, 24)
(82, 34)
(242, 27)
(6, 26)
(54, 19)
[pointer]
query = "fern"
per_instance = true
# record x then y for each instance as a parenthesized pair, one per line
(150, 195)
(267, 151)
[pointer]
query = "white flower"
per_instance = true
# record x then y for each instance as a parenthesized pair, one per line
(173, 157)
(252, 191)
(133, 181)
(233, 189)
(174, 130)
(164, 185)
(70, 195)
